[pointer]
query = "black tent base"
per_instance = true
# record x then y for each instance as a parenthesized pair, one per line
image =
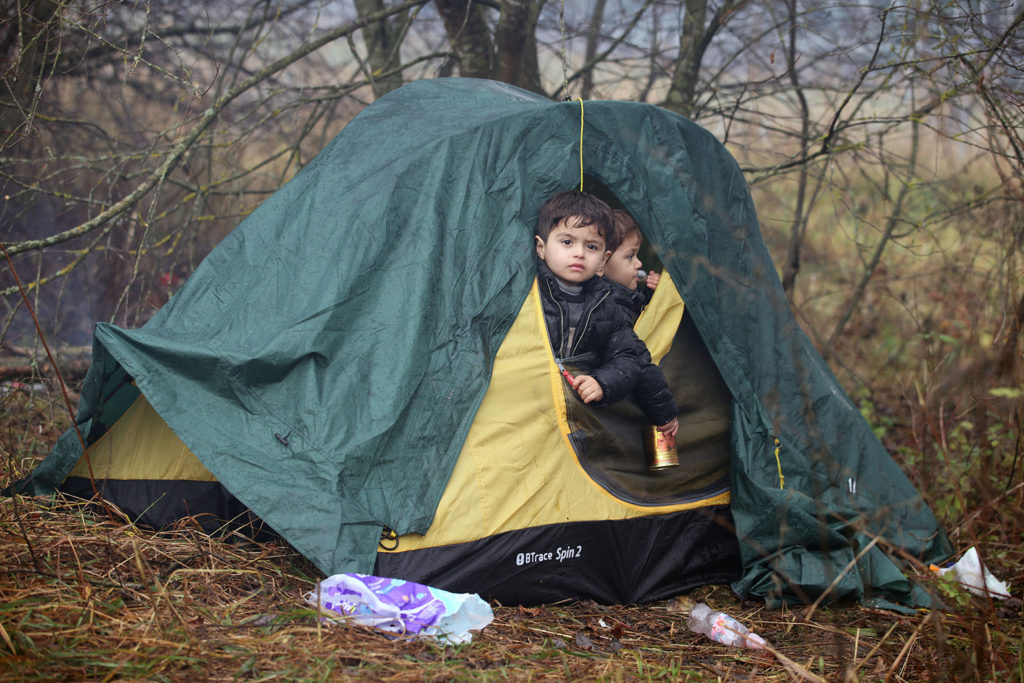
(163, 504)
(613, 562)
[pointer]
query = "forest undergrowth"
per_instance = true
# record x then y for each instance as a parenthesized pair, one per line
(89, 596)
(882, 145)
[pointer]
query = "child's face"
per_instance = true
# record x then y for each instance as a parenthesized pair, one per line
(573, 254)
(623, 265)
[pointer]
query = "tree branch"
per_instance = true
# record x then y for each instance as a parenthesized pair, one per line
(204, 122)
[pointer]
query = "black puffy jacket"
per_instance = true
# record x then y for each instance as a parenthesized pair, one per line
(605, 346)
(651, 392)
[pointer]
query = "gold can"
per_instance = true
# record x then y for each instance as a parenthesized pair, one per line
(661, 449)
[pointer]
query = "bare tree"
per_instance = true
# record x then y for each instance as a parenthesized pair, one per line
(590, 52)
(150, 132)
(503, 47)
(383, 38)
(470, 37)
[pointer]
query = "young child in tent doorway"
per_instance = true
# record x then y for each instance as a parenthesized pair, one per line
(623, 266)
(589, 318)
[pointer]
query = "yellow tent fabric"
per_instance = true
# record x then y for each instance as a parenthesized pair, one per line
(140, 445)
(517, 468)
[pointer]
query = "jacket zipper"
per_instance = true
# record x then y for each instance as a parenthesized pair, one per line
(586, 323)
(561, 319)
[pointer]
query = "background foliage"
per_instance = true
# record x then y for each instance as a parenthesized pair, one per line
(882, 141)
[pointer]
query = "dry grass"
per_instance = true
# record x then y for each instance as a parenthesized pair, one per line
(85, 596)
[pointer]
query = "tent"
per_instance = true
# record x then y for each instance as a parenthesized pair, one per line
(362, 366)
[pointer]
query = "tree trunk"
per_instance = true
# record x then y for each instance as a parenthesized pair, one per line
(694, 40)
(593, 38)
(469, 37)
(682, 93)
(23, 50)
(383, 44)
(517, 44)
(798, 224)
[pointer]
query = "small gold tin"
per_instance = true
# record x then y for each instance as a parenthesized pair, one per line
(661, 449)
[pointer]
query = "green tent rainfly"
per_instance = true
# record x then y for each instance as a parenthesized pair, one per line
(327, 360)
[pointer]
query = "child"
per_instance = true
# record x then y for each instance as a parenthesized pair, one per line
(651, 392)
(587, 316)
(623, 266)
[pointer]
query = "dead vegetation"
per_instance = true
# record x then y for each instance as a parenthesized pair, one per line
(917, 303)
(88, 596)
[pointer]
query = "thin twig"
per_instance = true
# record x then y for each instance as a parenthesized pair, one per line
(205, 121)
(53, 364)
(839, 576)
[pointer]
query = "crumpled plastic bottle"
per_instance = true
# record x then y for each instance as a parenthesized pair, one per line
(721, 628)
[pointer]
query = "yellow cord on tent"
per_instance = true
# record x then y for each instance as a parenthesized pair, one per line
(565, 84)
(778, 462)
(581, 140)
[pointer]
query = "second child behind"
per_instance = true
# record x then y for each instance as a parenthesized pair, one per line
(651, 392)
(588, 319)
(623, 266)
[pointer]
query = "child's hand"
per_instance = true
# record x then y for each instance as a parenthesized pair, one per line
(652, 279)
(588, 388)
(670, 428)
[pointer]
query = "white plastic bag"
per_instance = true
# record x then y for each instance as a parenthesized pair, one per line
(973, 576)
(401, 607)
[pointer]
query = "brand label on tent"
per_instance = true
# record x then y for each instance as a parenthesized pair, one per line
(567, 553)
